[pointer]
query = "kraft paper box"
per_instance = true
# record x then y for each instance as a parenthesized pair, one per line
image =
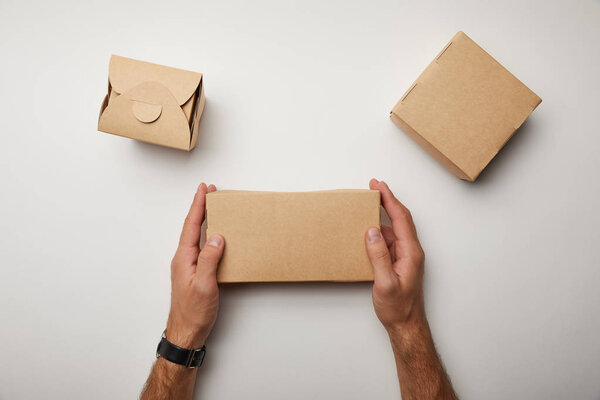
(279, 237)
(152, 103)
(464, 107)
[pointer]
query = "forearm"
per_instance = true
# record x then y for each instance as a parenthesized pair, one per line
(420, 371)
(169, 381)
(194, 304)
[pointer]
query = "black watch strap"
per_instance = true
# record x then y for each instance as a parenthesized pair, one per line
(189, 358)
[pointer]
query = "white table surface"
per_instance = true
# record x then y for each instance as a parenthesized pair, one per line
(298, 95)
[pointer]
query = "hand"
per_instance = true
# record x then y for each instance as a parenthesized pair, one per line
(194, 289)
(398, 263)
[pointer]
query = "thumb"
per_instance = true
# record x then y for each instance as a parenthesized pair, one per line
(209, 257)
(379, 256)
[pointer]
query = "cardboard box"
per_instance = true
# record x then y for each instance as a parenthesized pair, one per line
(464, 107)
(283, 237)
(152, 103)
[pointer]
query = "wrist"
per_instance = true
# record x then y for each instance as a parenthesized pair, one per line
(185, 336)
(409, 332)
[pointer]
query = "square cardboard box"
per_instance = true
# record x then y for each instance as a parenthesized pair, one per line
(152, 103)
(464, 107)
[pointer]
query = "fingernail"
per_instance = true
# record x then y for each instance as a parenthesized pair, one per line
(374, 235)
(215, 241)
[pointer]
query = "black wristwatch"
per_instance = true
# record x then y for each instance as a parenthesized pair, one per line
(189, 358)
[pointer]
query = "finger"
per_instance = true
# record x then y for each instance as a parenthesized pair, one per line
(379, 256)
(390, 241)
(402, 223)
(209, 258)
(374, 184)
(190, 234)
(388, 235)
(410, 272)
(212, 188)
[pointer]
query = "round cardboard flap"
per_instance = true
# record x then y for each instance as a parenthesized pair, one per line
(125, 74)
(146, 112)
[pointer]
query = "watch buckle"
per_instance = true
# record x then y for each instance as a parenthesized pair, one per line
(192, 355)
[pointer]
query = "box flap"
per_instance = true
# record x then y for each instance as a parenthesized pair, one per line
(146, 112)
(126, 73)
(309, 236)
(136, 113)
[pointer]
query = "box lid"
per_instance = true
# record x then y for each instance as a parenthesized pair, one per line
(464, 107)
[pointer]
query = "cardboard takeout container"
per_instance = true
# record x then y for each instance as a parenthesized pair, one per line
(464, 107)
(279, 237)
(152, 103)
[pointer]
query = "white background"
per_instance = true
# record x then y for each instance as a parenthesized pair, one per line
(298, 98)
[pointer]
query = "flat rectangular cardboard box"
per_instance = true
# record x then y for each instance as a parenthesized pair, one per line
(286, 237)
(464, 107)
(152, 103)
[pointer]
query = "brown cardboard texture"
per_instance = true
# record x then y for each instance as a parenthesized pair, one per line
(284, 237)
(464, 107)
(152, 103)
